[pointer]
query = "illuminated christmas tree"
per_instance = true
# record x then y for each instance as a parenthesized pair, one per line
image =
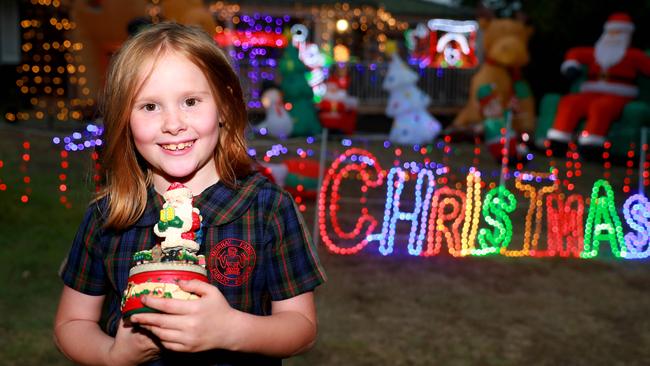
(408, 106)
(299, 94)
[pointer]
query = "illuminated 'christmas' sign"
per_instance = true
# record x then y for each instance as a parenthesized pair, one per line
(468, 223)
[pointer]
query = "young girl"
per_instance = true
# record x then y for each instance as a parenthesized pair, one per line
(174, 112)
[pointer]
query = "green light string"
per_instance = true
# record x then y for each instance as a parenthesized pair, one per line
(603, 223)
(499, 202)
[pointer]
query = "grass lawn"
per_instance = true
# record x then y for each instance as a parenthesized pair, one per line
(396, 309)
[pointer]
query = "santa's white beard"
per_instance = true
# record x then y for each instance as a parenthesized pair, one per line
(610, 49)
(184, 212)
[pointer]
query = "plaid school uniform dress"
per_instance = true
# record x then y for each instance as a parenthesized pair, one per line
(256, 246)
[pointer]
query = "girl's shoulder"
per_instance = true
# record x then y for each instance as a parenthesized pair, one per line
(258, 191)
(97, 209)
(263, 183)
(221, 204)
(267, 190)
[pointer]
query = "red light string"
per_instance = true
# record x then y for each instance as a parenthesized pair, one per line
(398, 153)
(645, 173)
(505, 142)
(24, 169)
(644, 164)
(301, 188)
(564, 219)
(504, 155)
(3, 186)
(577, 166)
(63, 187)
(446, 152)
(607, 164)
(332, 179)
(572, 166)
(97, 168)
(629, 168)
(477, 152)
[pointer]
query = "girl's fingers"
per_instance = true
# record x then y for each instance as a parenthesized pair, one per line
(197, 287)
(167, 335)
(168, 306)
(153, 320)
(174, 346)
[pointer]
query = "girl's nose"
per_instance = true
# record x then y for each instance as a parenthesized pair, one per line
(174, 122)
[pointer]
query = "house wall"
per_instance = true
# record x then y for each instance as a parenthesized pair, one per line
(103, 28)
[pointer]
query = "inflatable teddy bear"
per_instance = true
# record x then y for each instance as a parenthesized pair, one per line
(505, 52)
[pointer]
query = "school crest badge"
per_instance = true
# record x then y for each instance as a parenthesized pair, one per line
(231, 262)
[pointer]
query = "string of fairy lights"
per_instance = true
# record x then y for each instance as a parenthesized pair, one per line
(564, 217)
(459, 216)
(337, 20)
(442, 211)
(636, 211)
(3, 185)
(63, 177)
(533, 227)
(51, 75)
(24, 169)
(341, 33)
(475, 225)
(448, 204)
(603, 223)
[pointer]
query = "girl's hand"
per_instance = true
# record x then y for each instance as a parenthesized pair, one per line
(132, 346)
(190, 325)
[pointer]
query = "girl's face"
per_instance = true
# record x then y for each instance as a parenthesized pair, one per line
(174, 123)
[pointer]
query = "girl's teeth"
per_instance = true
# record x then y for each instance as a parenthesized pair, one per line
(181, 146)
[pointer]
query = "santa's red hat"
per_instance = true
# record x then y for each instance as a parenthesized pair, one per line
(620, 22)
(177, 190)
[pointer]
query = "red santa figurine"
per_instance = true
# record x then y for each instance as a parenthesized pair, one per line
(612, 68)
(179, 221)
(338, 110)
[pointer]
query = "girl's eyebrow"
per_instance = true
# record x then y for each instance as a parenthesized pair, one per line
(186, 93)
(203, 92)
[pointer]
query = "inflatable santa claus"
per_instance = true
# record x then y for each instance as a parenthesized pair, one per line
(338, 110)
(612, 67)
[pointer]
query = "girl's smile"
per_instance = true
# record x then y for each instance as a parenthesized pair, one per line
(182, 146)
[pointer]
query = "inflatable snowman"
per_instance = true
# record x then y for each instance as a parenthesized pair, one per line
(277, 123)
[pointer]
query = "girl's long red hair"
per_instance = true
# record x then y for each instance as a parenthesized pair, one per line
(125, 171)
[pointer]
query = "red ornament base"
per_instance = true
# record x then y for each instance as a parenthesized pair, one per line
(161, 280)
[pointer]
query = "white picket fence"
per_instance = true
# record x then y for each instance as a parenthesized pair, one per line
(448, 88)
